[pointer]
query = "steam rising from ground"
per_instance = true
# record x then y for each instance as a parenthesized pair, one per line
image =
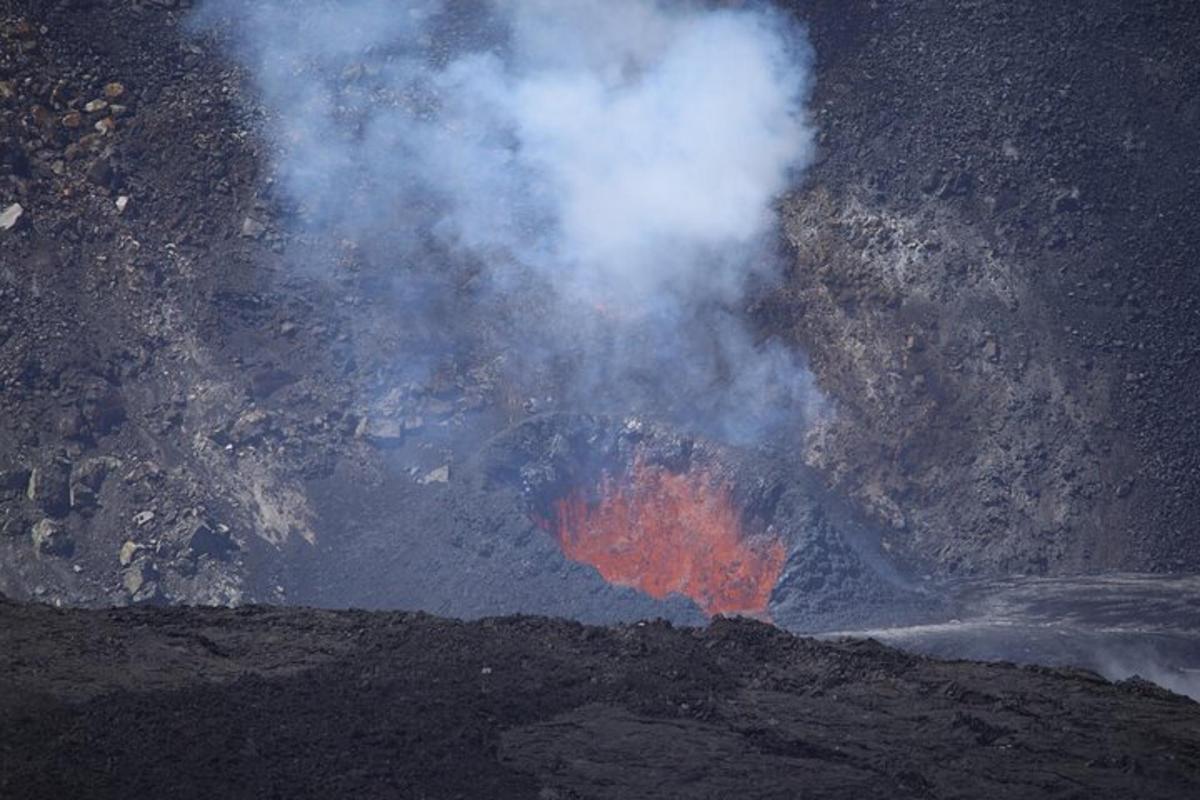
(1119, 625)
(617, 159)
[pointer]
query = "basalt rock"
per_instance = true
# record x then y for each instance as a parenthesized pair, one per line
(49, 487)
(204, 539)
(525, 707)
(13, 483)
(51, 538)
(14, 522)
(87, 479)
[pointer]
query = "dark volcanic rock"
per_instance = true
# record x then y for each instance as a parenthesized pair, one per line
(991, 274)
(263, 702)
(14, 522)
(52, 538)
(1000, 228)
(141, 582)
(203, 539)
(13, 483)
(87, 478)
(49, 487)
(102, 174)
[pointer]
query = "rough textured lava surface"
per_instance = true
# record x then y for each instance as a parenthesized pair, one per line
(257, 702)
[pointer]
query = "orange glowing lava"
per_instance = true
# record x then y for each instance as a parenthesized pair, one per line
(666, 534)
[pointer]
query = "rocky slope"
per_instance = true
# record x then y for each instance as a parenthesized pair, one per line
(993, 277)
(989, 275)
(257, 702)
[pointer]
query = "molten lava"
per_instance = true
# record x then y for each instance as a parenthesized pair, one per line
(671, 534)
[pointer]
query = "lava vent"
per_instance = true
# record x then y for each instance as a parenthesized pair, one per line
(649, 508)
(666, 533)
(733, 530)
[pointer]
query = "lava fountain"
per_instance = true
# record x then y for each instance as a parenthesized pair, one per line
(666, 533)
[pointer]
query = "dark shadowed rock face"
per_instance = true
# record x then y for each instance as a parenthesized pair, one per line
(295, 703)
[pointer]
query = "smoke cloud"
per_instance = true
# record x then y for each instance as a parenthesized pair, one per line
(609, 164)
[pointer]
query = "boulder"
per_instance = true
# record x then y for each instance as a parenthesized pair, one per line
(102, 173)
(71, 425)
(439, 475)
(11, 216)
(202, 539)
(13, 522)
(140, 581)
(87, 478)
(129, 551)
(49, 487)
(252, 228)
(13, 483)
(103, 407)
(83, 497)
(381, 431)
(251, 427)
(51, 538)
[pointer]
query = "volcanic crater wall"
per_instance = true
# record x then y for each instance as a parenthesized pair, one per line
(992, 280)
(987, 273)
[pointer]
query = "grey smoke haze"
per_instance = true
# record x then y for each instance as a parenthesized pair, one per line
(617, 159)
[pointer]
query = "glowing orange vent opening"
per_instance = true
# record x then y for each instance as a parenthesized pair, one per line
(666, 534)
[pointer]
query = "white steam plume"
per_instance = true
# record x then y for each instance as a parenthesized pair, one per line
(622, 154)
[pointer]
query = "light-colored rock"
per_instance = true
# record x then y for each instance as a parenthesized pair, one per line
(141, 581)
(439, 475)
(82, 496)
(128, 551)
(51, 538)
(11, 216)
(252, 228)
(250, 427)
(49, 488)
(381, 431)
